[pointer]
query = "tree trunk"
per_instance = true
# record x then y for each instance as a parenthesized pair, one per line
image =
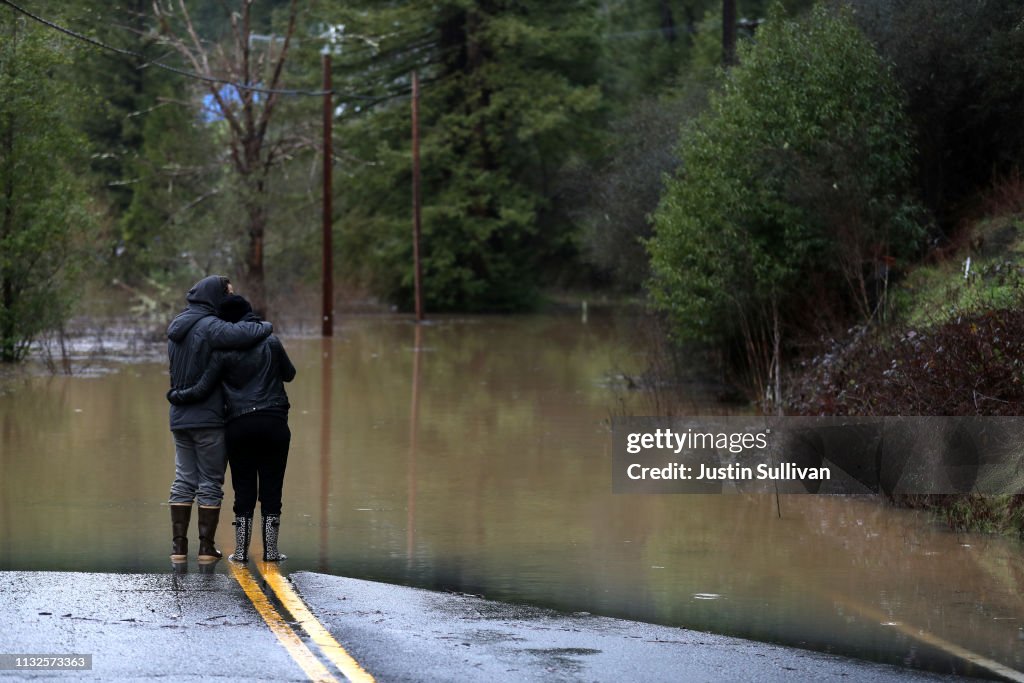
(668, 23)
(691, 20)
(252, 156)
(777, 353)
(254, 275)
(728, 32)
(8, 350)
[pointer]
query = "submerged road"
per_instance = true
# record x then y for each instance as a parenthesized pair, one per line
(253, 623)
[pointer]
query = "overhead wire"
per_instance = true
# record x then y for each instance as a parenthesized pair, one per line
(182, 72)
(373, 99)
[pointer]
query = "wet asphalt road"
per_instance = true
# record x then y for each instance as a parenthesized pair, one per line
(196, 627)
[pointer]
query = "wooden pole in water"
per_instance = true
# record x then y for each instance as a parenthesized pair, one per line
(414, 426)
(416, 220)
(328, 247)
(326, 417)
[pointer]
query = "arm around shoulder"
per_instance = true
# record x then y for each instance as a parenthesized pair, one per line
(225, 335)
(202, 388)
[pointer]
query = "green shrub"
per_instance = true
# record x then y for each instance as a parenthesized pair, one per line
(44, 213)
(793, 191)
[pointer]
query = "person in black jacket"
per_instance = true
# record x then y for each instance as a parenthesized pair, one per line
(257, 426)
(198, 428)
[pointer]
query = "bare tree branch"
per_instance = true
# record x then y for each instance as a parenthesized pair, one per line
(243, 47)
(248, 114)
(268, 109)
(197, 56)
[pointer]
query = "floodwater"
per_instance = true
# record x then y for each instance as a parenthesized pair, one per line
(476, 457)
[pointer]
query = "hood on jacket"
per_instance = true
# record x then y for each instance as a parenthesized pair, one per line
(234, 308)
(203, 300)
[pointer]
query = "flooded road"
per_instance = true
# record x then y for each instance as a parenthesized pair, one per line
(477, 458)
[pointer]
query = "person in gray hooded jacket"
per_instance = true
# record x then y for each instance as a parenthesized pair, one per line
(200, 457)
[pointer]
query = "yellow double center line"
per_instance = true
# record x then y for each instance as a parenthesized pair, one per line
(928, 638)
(299, 651)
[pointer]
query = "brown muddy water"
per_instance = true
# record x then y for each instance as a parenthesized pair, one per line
(477, 459)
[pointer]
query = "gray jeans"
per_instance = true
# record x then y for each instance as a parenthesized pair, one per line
(199, 462)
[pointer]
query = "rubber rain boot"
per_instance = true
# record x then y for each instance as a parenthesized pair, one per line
(181, 515)
(243, 534)
(271, 525)
(208, 518)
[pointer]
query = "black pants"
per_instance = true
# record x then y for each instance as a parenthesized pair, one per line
(257, 446)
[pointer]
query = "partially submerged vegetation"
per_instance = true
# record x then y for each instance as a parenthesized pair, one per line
(835, 240)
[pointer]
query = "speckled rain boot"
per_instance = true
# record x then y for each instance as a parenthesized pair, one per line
(271, 524)
(243, 534)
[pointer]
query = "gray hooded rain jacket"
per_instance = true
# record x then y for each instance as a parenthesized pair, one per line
(192, 336)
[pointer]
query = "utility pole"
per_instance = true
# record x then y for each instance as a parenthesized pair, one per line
(328, 246)
(416, 220)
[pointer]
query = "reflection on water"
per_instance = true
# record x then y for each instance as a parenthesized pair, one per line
(474, 454)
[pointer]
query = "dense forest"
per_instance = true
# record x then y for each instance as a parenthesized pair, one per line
(766, 182)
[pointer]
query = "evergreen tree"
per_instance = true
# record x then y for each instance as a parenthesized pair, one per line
(167, 230)
(123, 91)
(510, 93)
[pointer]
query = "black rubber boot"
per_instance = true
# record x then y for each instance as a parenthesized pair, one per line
(208, 518)
(243, 534)
(181, 514)
(271, 525)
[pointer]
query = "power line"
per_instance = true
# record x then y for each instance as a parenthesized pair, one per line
(176, 70)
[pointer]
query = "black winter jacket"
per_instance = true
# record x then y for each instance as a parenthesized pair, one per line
(192, 336)
(252, 380)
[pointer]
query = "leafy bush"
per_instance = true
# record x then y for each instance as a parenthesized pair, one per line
(793, 190)
(43, 205)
